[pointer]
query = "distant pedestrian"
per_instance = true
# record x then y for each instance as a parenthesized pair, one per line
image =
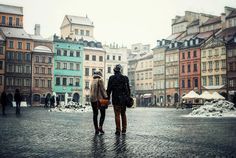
(18, 100)
(97, 91)
(58, 100)
(3, 102)
(52, 101)
(118, 86)
(47, 99)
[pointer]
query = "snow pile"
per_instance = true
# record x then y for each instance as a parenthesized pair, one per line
(72, 107)
(219, 108)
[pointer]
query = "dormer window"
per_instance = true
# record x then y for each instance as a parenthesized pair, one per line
(176, 44)
(158, 43)
(163, 42)
(191, 42)
(170, 45)
(186, 43)
(197, 41)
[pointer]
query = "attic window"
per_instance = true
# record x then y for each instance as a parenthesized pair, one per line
(163, 42)
(176, 44)
(186, 43)
(158, 43)
(170, 45)
(191, 42)
(197, 41)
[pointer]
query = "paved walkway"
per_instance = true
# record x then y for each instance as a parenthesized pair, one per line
(152, 132)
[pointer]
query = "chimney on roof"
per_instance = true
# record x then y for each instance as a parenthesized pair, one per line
(222, 17)
(37, 29)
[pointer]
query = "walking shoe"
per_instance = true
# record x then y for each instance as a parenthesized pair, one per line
(96, 132)
(123, 132)
(101, 131)
(117, 133)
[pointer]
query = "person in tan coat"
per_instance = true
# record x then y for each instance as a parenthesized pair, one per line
(97, 91)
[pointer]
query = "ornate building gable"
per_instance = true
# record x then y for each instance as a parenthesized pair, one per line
(214, 42)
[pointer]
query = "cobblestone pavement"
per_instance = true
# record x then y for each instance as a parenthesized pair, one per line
(152, 132)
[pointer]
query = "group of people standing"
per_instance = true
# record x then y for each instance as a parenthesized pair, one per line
(116, 87)
(17, 98)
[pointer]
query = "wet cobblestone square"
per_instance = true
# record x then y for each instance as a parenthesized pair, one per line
(152, 132)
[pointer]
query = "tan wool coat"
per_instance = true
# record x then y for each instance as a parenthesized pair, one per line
(97, 90)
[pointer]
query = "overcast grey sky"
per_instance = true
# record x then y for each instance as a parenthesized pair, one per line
(121, 21)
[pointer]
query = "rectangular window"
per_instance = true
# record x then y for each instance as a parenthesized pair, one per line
(82, 32)
(108, 69)
(204, 81)
(86, 71)
(76, 31)
(94, 57)
(223, 51)
(183, 69)
(1, 65)
(43, 59)
(195, 82)
(189, 68)
(28, 69)
(77, 80)
(77, 53)
(223, 79)
(223, 63)
(114, 57)
(42, 83)
(210, 78)
(77, 66)
(65, 66)
(11, 44)
(86, 85)
(43, 70)
(49, 59)
(28, 57)
(37, 59)
(17, 21)
(64, 81)
(71, 66)
(36, 82)
(37, 70)
(100, 58)
(189, 55)
(10, 21)
(3, 20)
(87, 32)
(49, 71)
(28, 46)
(204, 54)
(19, 56)
(58, 81)
(183, 84)
(195, 54)
(231, 67)
(19, 45)
(209, 53)
(210, 65)
(217, 65)
(183, 55)
(58, 52)
(217, 79)
(189, 83)
(108, 57)
(231, 83)
(71, 82)
(49, 83)
(58, 65)
(195, 67)
(93, 71)
(1, 50)
(204, 66)
(216, 52)
(65, 53)
(86, 57)
(119, 58)
(71, 53)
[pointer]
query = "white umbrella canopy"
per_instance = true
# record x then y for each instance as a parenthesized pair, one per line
(191, 95)
(206, 95)
(217, 96)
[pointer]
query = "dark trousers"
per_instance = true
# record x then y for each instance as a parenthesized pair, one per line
(120, 112)
(95, 115)
(17, 107)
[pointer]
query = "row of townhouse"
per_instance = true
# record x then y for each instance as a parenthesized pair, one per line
(62, 64)
(200, 55)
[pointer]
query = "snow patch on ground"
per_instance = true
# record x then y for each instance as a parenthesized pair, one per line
(219, 108)
(72, 107)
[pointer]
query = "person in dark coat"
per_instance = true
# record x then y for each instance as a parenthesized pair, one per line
(118, 86)
(58, 100)
(52, 101)
(18, 99)
(3, 102)
(46, 101)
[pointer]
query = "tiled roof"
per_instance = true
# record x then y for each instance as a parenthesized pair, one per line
(11, 9)
(174, 36)
(15, 32)
(227, 34)
(232, 14)
(79, 20)
(180, 20)
(205, 35)
(188, 37)
(43, 49)
(212, 21)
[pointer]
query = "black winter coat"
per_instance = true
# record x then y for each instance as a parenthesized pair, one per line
(18, 97)
(118, 85)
